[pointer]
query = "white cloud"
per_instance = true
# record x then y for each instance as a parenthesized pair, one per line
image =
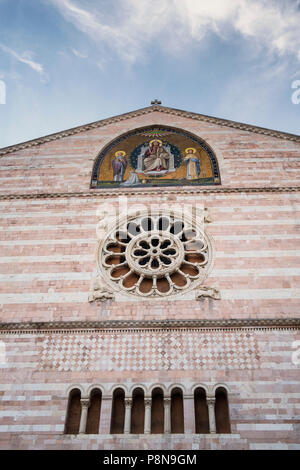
(26, 58)
(133, 25)
(79, 54)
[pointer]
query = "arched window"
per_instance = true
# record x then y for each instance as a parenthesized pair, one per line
(93, 418)
(137, 411)
(222, 411)
(177, 419)
(118, 412)
(157, 411)
(201, 412)
(73, 412)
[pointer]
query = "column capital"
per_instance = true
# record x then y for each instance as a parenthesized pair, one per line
(128, 402)
(167, 401)
(148, 402)
(85, 402)
(211, 401)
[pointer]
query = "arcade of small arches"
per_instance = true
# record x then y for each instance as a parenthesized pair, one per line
(154, 411)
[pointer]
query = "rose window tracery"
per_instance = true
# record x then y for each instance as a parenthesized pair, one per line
(155, 255)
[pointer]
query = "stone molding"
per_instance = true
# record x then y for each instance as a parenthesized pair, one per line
(155, 191)
(147, 110)
(131, 325)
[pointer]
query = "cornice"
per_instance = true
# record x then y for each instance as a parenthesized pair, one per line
(155, 191)
(129, 325)
(147, 110)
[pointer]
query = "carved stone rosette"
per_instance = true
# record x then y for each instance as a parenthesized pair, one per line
(155, 254)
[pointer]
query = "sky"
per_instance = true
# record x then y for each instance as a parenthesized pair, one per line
(65, 63)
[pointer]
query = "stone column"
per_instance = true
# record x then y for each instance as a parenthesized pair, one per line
(85, 403)
(211, 414)
(147, 424)
(167, 406)
(105, 415)
(127, 424)
(189, 414)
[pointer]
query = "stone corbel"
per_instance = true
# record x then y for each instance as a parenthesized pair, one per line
(207, 216)
(100, 290)
(209, 292)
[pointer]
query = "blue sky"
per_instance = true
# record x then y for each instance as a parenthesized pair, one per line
(65, 63)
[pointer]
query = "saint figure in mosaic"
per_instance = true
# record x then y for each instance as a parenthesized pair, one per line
(156, 158)
(192, 164)
(119, 164)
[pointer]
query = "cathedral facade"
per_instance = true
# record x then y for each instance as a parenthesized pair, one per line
(150, 286)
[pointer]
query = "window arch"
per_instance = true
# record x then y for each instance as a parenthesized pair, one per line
(155, 156)
(118, 412)
(222, 411)
(93, 418)
(177, 417)
(201, 411)
(137, 411)
(157, 411)
(73, 412)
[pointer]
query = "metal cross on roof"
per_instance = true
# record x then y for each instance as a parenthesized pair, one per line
(155, 102)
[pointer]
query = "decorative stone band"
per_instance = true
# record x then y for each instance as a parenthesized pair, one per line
(144, 192)
(147, 110)
(86, 326)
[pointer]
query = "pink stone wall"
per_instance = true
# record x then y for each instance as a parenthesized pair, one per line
(47, 259)
(256, 365)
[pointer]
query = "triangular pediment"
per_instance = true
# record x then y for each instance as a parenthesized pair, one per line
(147, 110)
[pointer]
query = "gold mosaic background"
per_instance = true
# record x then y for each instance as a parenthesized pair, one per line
(182, 142)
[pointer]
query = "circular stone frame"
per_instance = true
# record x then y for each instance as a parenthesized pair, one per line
(155, 254)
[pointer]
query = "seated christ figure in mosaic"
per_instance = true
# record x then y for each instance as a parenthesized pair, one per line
(156, 158)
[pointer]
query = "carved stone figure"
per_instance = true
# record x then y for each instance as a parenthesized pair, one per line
(207, 216)
(100, 290)
(209, 292)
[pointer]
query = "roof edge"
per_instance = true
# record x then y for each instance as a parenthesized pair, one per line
(146, 110)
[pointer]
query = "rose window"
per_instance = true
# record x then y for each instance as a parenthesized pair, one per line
(155, 255)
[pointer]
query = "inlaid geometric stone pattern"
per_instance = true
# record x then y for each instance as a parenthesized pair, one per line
(138, 351)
